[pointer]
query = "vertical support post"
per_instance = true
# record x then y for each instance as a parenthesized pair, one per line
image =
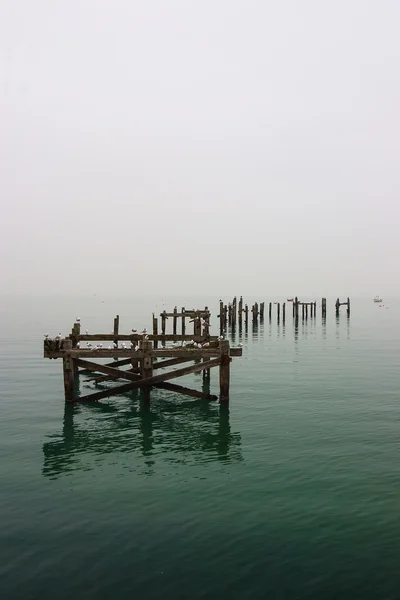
(262, 310)
(348, 307)
(221, 316)
(302, 311)
(183, 320)
(175, 319)
(296, 307)
(163, 322)
(224, 371)
(116, 329)
(246, 314)
(197, 325)
(270, 310)
(306, 310)
(337, 307)
(283, 311)
(240, 314)
(155, 329)
(279, 311)
(69, 374)
(76, 332)
(146, 366)
(206, 330)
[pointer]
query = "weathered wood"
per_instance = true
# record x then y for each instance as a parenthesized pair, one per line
(183, 313)
(146, 366)
(262, 304)
(69, 372)
(117, 373)
(175, 320)
(283, 311)
(171, 362)
(224, 372)
(270, 310)
(279, 311)
(188, 314)
(246, 314)
(76, 330)
(149, 382)
(116, 329)
(121, 353)
(155, 331)
(163, 322)
(348, 307)
(135, 337)
(173, 387)
(240, 310)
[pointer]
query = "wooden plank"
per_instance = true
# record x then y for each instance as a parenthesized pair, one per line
(170, 363)
(134, 337)
(187, 313)
(149, 381)
(173, 387)
(191, 354)
(117, 373)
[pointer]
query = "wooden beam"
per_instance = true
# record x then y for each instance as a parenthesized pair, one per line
(173, 387)
(170, 363)
(190, 353)
(134, 337)
(117, 373)
(149, 381)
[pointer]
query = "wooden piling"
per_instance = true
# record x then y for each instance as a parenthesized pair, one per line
(155, 329)
(146, 367)
(270, 310)
(279, 311)
(240, 313)
(116, 329)
(69, 373)
(183, 320)
(221, 316)
(283, 311)
(163, 322)
(337, 307)
(175, 320)
(262, 304)
(246, 314)
(224, 372)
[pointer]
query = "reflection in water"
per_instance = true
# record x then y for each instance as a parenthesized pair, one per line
(324, 327)
(195, 431)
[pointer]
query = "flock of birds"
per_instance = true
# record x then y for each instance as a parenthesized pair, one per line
(135, 347)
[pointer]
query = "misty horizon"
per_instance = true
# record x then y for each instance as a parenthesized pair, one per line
(215, 148)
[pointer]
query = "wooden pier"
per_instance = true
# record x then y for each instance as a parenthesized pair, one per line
(145, 357)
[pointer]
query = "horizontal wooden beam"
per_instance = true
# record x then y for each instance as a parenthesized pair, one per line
(173, 387)
(171, 362)
(149, 381)
(134, 337)
(190, 353)
(190, 314)
(117, 373)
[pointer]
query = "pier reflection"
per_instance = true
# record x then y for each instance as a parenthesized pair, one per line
(148, 436)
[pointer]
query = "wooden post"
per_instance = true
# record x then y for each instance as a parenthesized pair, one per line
(279, 310)
(302, 311)
(348, 307)
(306, 305)
(76, 331)
(323, 307)
(262, 310)
(206, 330)
(69, 375)
(296, 307)
(283, 311)
(246, 314)
(224, 371)
(155, 329)
(240, 310)
(270, 310)
(163, 322)
(337, 307)
(234, 311)
(174, 322)
(146, 367)
(197, 326)
(221, 316)
(116, 329)
(183, 320)
(230, 314)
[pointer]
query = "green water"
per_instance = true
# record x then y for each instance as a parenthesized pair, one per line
(292, 493)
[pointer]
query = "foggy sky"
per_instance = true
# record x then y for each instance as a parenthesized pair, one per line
(213, 146)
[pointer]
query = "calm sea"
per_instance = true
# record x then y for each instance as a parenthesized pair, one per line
(292, 493)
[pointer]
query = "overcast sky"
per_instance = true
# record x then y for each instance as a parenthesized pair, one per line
(213, 146)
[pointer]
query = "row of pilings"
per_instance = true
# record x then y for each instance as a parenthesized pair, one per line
(236, 312)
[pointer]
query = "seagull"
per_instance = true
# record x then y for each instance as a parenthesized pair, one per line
(78, 319)
(206, 345)
(134, 330)
(110, 347)
(144, 330)
(88, 345)
(146, 337)
(136, 348)
(131, 345)
(78, 345)
(115, 345)
(221, 337)
(123, 346)
(99, 345)
(86, 331)
(240, 345)
(46, 335)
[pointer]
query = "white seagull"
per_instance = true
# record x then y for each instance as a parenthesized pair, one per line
(78, 319)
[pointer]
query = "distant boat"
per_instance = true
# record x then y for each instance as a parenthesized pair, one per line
(289, 300)
(377, 299)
